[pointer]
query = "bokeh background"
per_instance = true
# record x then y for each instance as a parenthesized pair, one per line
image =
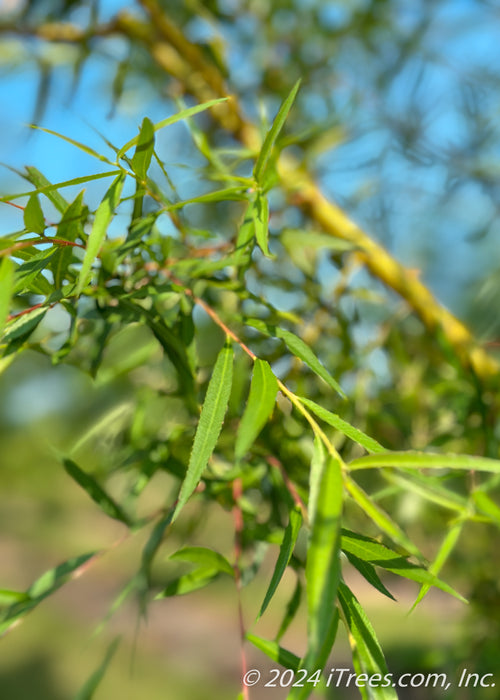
(397, 119)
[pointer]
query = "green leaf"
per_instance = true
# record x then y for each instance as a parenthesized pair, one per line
(8, 598)
(23, 326)
(363, 635)
(275, 652)
(6, 291)
(260, 215)
(380, 517)
(379, 555)
(31, 269)
(323, 560)
(486, 505)
(96, 492)
(444, 552)
(204, 557)
(34, 219)
(315, 476)
(43, 185)
(54, 578)
(103, 216)
(430, 489)
(227, 194)
(273, 133)
(183, 114)
(69, 229)
(50, 190)
(81, 146)
(424, 460)
(369, 573)
(144, 150)
(260, 405)
(210, 424)
(298, 348)
(44, 586)
(193, 581)
(286, 551)
(87, 691)
(347, 429)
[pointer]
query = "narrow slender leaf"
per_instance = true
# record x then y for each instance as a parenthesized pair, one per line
(204, 557)
(6, 290)
(380, 518)
(31, 269)
(227, 194)
(23, 326)
(315, 476)
(445, 550)
(273, 133)
(8, 598)
(486, 505)
(301, 350)
(347, 429)
(430, 490)
(50, 190)
(96, 492)
(275, 652)
(183, 114)
(424, 460)
(103, 216)
(260, 405)
(378, 554)
(34, 219)
(144, 150)
(210, 424)
(369, 573)
(193, 581)
(323, 560)
(44, 586)
(363, 635)
(87, 691)
(43, 185)
(286, 551)
(260, 214)
(81, 146)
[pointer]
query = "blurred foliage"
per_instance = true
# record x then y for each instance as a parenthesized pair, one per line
(393, 123)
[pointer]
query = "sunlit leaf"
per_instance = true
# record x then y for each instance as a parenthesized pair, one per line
(96, 492)
(347, 429)
(204, 557)
(210, 424)
(144, 150)
(424, 460)
(286, 551)
(6, 290)
(193, 581)
(103, 216)
(380, 518)
(34, 219)
(323, 560)
(273, 133)
(183, 114)
(260, 213)
(260, 405)
(367, 645)
(275, 652)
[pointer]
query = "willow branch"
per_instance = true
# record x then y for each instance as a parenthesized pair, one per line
(305, 192)
(175, 55)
